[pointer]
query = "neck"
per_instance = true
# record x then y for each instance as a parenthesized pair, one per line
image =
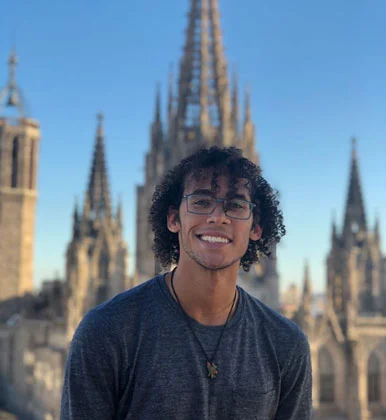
(205, 295)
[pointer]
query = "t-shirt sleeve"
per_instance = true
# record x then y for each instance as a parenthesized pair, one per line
(91, 383)
(296, 384)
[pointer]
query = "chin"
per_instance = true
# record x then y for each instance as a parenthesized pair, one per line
(215, 266)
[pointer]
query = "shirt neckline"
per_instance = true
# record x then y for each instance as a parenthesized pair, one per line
(161, 279)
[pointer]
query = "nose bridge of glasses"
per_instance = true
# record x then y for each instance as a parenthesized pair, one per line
(222, 202)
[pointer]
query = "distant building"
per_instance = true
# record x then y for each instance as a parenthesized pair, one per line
(19, 142)
(290, 300)
(35, 329)
(348, 342)
(96, 258)
(33, 351)
(202, 112)
(319, 303)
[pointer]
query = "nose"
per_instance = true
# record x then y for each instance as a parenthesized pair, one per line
(218, 215)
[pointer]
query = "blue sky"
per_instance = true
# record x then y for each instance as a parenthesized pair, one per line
(316, 71)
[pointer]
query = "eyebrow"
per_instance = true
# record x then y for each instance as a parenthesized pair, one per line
(203, 191)
(241, 196)
(230, 194)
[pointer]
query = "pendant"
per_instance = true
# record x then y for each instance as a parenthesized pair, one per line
(212, 370)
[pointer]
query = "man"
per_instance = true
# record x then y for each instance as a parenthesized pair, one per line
(190, 344)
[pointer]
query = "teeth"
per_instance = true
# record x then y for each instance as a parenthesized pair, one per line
(214, 239)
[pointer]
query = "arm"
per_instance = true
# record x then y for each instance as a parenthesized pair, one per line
(296, 384)
(91, 384)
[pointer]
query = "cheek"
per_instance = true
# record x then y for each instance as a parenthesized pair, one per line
(184, 231)
(243, 234)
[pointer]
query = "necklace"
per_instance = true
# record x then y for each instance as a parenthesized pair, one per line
(210, 365)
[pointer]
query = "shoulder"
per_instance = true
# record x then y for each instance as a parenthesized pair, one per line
(283, 334)
(120, 312)
(271, 319)
(131, 299)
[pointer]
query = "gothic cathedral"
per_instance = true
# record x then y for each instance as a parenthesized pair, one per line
(19, 142)
(96, 258)
(348, 342)
(202, 112)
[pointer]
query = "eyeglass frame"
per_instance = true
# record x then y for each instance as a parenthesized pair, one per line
(220, 200)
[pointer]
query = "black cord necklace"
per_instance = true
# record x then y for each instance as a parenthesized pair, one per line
(210, 365)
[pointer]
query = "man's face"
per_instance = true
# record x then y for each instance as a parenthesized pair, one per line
(214, 241)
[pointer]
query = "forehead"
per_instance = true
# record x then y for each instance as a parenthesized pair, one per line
(219, 184)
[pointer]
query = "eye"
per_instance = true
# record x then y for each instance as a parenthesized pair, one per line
(237, 205)
(202, 201)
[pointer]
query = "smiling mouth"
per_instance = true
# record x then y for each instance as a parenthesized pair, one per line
(213, 239)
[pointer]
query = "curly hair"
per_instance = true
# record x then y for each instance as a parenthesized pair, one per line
(215, 161)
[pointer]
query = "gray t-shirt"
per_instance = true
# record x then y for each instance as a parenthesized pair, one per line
(134, 357)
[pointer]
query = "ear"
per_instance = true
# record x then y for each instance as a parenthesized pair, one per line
(256, 233)
(173, 221)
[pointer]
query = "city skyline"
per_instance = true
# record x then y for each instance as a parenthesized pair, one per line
(329, 110)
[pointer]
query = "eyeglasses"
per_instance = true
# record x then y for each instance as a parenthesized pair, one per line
(234, 208)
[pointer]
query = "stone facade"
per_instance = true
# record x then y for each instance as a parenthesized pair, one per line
(19, 142)
(348, 342)
(203, 111)
(35, 329)
(33, 350)
(290, 300)
(96, 258)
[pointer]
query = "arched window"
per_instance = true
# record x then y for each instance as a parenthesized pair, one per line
(32, 165)
(15, 158)
(373, 378)
(326, 376)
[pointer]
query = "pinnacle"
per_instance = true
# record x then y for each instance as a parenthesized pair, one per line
(355, 212)
(204, 99)
(98, 190)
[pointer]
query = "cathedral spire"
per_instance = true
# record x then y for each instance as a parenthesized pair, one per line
(355, 218)
(120, 213)
(304, 313)
(76, 211)
(98, 195)
(86, 209)
(170, 94)
(76, 219)
(156, 128)
(10, 95)
(203, 94)
(100, 130)
(235, 102)
(377, 233)
(248, 113)
(307, 291)
(249, 136)
(157, 113)
(333, 228)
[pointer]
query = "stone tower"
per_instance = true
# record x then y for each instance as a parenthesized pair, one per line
(355, 262)
(348, 342)
(202, 111)
(96, 258)
(19, 142)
